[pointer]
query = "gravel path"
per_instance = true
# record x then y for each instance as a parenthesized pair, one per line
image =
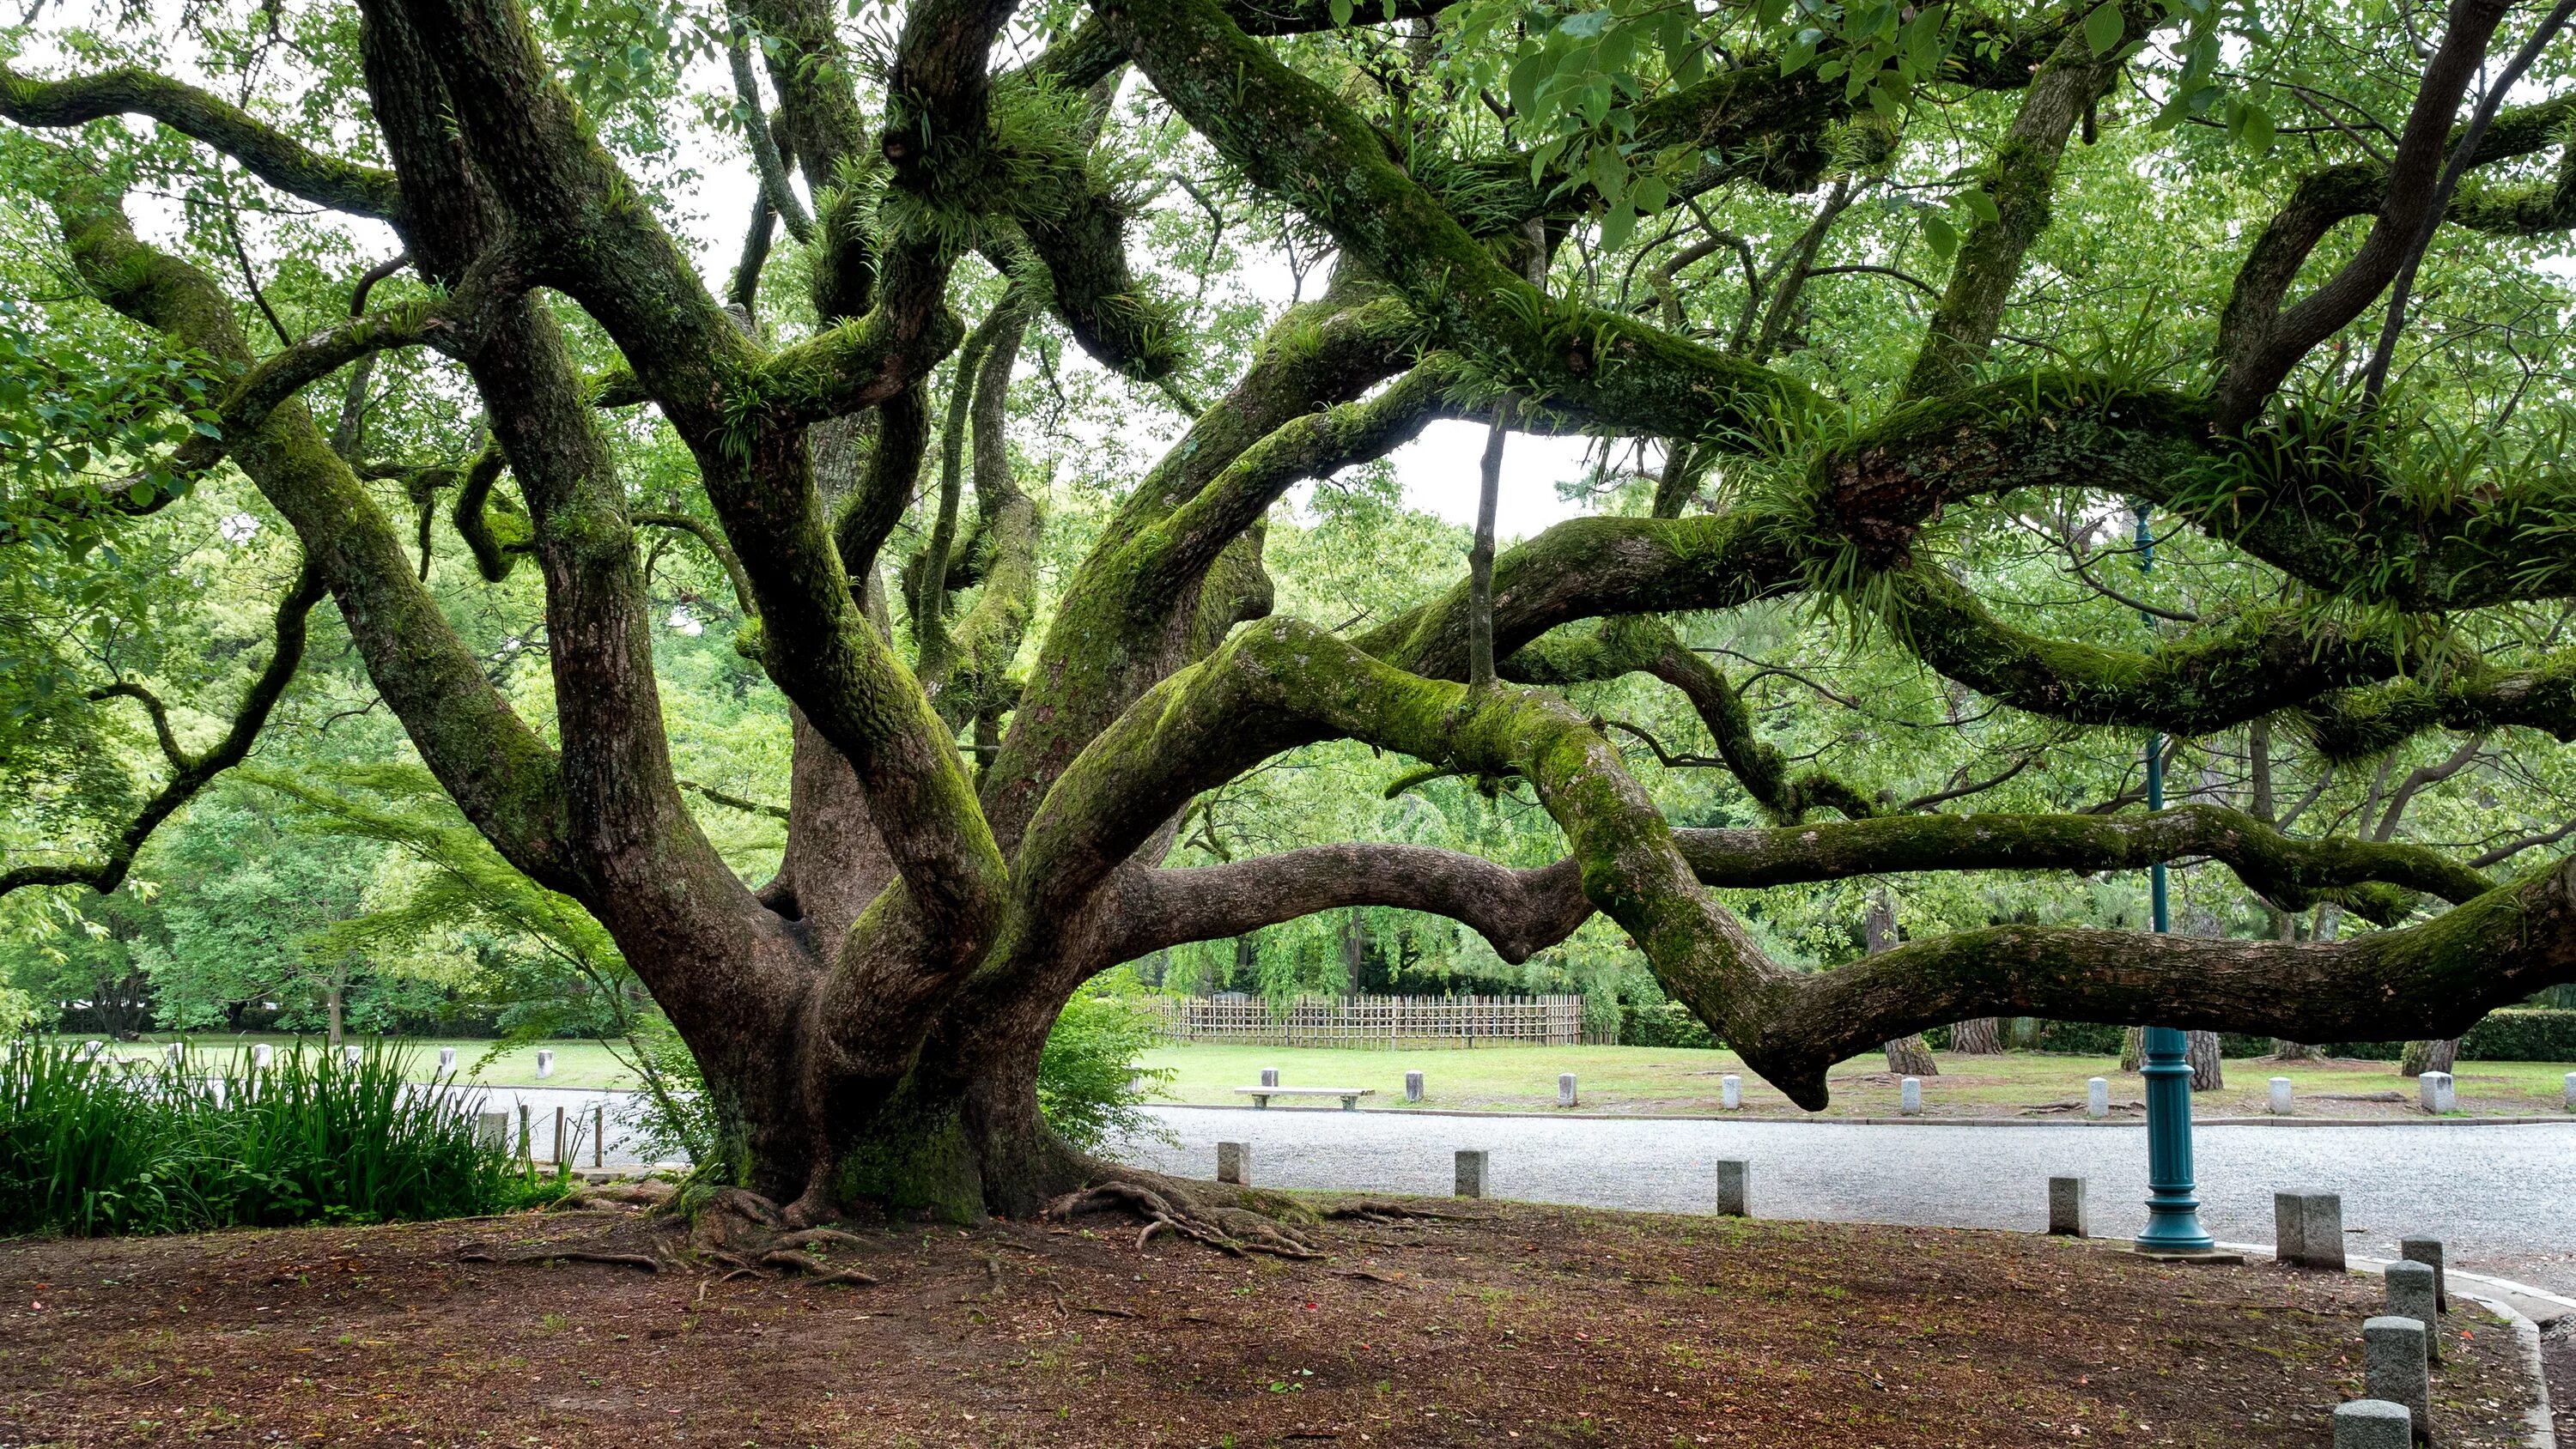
(2503, 1198)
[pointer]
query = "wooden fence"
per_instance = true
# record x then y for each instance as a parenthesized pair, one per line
(1379, 1021)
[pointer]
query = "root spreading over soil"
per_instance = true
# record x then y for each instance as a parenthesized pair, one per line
(1386, 1324)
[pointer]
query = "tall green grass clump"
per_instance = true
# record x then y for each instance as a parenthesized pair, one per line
(93, 1145)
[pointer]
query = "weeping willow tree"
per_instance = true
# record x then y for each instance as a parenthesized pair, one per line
(1522, 204)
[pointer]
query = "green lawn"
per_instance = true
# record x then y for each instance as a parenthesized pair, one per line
(1650, 1080)
(1640, 1080)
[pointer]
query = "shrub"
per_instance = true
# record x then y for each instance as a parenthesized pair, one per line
(1089, 1086)
(1663, 1024)
(89, 1147)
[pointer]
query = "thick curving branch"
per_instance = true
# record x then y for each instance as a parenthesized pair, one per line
(1294, 138)
(1522, 911)
(1283, 683)
(191, 773)
(270, 154)
(501, 774)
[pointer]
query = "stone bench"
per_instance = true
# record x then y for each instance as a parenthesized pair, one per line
(1350, 1095)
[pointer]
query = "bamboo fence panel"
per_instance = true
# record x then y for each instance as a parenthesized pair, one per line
(1377, 1021)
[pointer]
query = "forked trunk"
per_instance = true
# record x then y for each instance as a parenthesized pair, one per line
(1978, 1036)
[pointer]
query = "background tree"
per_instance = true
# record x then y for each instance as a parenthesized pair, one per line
(1886, 322)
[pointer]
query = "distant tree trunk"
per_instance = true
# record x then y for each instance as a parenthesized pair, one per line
(1906, 1056)
(331, 1000)
(2133, 1048)
(2428, 1056)
(1978, 1036)
(1355, 944)
(2200, 1048)
(2284, 1050)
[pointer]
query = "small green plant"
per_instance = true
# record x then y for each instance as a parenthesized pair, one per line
(1088, 1084)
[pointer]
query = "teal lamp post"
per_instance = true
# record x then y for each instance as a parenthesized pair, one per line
(2173, 1213)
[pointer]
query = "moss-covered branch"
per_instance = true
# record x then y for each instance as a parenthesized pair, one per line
(270, 154)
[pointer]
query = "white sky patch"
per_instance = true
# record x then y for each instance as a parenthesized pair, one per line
(684, 622)
(238, 528)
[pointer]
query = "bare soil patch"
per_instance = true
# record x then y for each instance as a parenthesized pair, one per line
(1506, 1324)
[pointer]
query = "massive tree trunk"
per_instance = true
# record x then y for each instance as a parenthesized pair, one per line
(2200, 1048)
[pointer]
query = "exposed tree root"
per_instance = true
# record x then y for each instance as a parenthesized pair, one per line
(1230, 1230)
(1386, 1212)
(742, 1231)
(563, 1255)
(815, 1268)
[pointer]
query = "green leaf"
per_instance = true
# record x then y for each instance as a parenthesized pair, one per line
(2104, 27)
(1943, 237)
(1341, 10)
(1800, 51)
(2255, 129)
(1980, 205)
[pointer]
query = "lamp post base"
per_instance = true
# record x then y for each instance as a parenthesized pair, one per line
(2185, 1255)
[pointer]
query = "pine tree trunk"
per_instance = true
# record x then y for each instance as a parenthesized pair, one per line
(1907, 1056)
(1911, 1057)
(2200, 1048)
(2428, 1056)
(1978, 1036)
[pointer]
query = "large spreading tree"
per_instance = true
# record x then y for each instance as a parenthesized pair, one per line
(1616, 221)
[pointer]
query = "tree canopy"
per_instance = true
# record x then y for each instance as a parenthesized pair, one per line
(981, 578)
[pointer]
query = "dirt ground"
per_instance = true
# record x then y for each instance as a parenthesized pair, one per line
(1501, 1325)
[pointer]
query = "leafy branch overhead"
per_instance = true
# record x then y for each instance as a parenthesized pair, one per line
(980, 576)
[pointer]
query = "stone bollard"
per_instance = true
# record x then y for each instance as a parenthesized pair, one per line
(446, 1059)
(2066, 1208)
(1734, 1190)
(492, 1130)
(2280, 1096)
(262, 1056)
(2393, 1363)
(2307, 1229)
(173, 1054)
(1234, 1163)
(349, 1055)
(2571, 1091)
(1909, 1097)
(2411, 1295)
(1471, 1174)
(1413, 1086)
(2373, 1424)
(2429, 1251)
(545, 1065)
(90, 1050)
(2097, 1097)
(1565, 1089)
(1270, 1076)
(2439, 1093)
(1730, 1092)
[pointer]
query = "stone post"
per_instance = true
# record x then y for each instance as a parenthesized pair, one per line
(2411, 1295)
(491, 1130)
(1909, 1097)
(446, 1059)
(2307, 1229)
(262, 1056)
(1565, 1089)
(2570, 1087)
(2438, 1093)
(349, 1054)
(2066, 1208)
(1471, 1174)
(2372, 1424)
(90, 1050)
(1234, 1163)
(173, 1054)
(2429, 1251)
(2097, 1097)
(2280, 1096)
(1413, 1086)
(2393, 1363)
(1734, 1190)
(1730, 1092)
(545, 1064)
(1270, 1076)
